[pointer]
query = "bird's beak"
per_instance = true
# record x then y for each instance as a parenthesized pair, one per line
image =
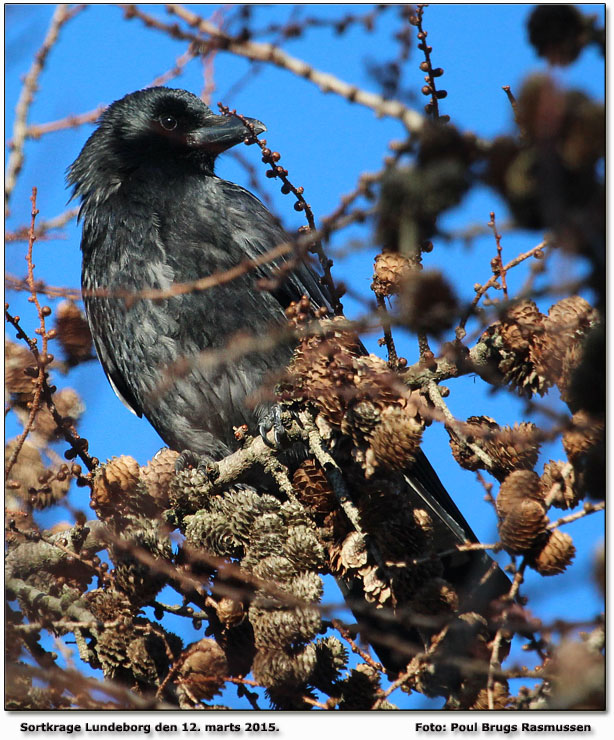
(222, 133)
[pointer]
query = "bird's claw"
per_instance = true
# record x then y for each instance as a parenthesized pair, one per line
(272, 422)
(189, 460)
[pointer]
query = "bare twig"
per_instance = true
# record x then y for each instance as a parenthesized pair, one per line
(412, 120)
(36, 130)
(295, 28)
(430, 88)
(510, 96)
(78, 444)
(21, 234)
(587, 509)
(494, 665)
(393, 358)
(53, 291)
(347, 636)
(481, 289)
(499, 270)
(61, 15)
(42, 357)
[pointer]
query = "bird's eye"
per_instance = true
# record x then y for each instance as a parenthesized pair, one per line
(168, 123)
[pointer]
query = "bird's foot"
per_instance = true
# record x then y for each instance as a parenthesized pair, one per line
(271, 422)
(189, 460)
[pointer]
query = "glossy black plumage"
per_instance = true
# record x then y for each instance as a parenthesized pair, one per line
(154, 214)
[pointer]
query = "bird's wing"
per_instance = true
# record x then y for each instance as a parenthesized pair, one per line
(303, 279)
(473, 571)
(97, 312)
(115, 377)
(425, 483)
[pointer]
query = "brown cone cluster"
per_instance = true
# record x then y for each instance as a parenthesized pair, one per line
(126, 648)
(108, 605)
(35, 483)
(511, 342)
(389, 271)
(17, 384)
(396, 439)
(556, 554)
(521, 507)
(73, 333)
(229, 612)
(360, 688)
(203, 670)
(558, 32)
(358, 395)
(278, 544)
(561, 490)
(400, 534)
(113, 483)
(322, 372)
(533, 352)
(428, 302)
(586, 431)
(158, 475)
(522, 512)
(475, 428)
(500, 697)
(312, 487)
(70, 407)
(142, 544)
(509, 448)
(560, 345)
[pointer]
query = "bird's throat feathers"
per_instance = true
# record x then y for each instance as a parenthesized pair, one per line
(105, 171)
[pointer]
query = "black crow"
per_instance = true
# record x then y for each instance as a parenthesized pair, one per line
(155, 215)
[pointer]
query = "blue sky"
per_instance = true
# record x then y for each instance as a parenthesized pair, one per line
(325, 143)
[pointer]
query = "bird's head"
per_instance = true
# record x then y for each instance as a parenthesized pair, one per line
(158, 127)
